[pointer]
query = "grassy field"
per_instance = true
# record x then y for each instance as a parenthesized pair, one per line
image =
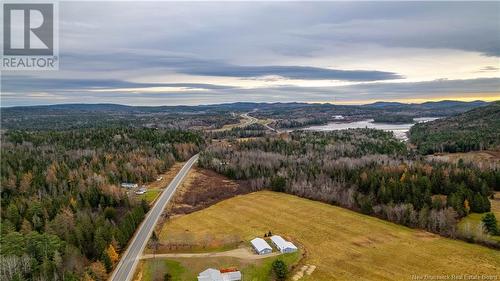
(471, 223)
(187, 269)
(344, 245)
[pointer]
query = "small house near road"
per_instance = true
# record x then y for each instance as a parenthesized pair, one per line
(129, 185)
(215, 275)
(283, 245)
(261, 247)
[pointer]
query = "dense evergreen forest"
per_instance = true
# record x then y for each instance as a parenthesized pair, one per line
(365, 170)
(64, 216)
(477, 129)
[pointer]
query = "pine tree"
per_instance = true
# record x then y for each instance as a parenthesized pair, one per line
(490, 223)
(280, 269)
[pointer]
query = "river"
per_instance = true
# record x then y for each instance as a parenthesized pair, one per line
(400, 130)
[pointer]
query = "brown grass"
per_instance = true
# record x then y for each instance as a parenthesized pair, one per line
(344, 245)
(203, 188)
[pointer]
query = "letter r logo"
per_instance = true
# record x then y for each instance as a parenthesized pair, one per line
(28, 29)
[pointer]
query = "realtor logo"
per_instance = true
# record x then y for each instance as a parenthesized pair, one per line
(29, 36)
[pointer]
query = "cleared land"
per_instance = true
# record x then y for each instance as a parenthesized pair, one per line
(485, 156)
(155, 188)
(344, 245)
(471, 223)
(187, 269)
(203, 188)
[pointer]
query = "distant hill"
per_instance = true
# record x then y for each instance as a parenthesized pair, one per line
(447, 105)
(477, 129)
(287, 115)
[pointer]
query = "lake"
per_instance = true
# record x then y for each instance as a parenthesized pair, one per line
(399, 130)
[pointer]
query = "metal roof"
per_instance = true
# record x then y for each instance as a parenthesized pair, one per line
(282, 243)
(210, 275)
(260, 244)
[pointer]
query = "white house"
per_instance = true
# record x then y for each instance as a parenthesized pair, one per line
(283, 245)
(261, 247)
(215, 275)
(129, 185)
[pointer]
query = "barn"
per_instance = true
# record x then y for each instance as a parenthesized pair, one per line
(283, 245)
(261, 247)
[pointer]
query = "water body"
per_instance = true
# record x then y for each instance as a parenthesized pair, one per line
(400, 130)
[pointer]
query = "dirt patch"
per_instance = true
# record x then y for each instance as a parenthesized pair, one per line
(203, 188)
(240, 253)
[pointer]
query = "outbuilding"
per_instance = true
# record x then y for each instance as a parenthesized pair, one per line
(282, 245)
(260, 246)
(216, 275)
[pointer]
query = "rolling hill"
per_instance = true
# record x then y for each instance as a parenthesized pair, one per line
(477, 129)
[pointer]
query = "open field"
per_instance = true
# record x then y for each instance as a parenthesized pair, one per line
(485, 156)
(473, 220)
(187, 269)
(202, 188)
(344, 245)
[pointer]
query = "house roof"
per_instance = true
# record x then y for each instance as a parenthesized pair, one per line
(210, 275)
(260, 244)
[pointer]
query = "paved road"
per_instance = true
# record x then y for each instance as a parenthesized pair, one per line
(252, 120)
(125, 269)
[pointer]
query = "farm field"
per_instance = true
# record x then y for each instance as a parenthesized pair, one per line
(344, 245)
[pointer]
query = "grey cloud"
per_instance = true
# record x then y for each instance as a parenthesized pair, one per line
(16, 83)
(366, 91)
(196, 66)
(293, 72)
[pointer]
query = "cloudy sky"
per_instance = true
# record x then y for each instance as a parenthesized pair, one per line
(168, 53)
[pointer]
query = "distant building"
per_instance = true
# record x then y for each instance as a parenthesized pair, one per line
(215, 275)
(261, 247)
(283, 245)
(129, 185)
(141, 190)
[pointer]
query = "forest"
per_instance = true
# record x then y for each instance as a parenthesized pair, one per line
(477, 129)
(365, 170)
(64, 216)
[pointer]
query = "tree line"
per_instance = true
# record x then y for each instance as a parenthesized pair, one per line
(365, 170)
(64, 216)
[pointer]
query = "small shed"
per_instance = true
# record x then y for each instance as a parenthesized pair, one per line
(260, 246)
(283, 245)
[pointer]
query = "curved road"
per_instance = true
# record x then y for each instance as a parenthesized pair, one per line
(125, 269)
